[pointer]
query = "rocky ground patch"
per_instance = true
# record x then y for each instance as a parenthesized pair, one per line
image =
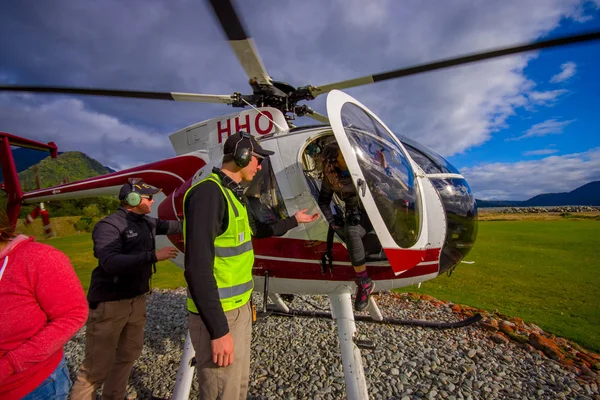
(299, 358)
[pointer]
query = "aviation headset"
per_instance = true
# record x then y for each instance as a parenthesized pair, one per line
(133, 198)
(243, 155)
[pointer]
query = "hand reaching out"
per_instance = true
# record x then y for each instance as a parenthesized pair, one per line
(166, 252)
(303, 217)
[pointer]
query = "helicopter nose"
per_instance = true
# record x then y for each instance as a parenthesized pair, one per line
(461, 213)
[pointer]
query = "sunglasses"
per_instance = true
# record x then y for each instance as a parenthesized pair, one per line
(149, 197)
(258, 157)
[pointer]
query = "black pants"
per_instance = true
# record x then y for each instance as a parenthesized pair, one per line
(354, 235)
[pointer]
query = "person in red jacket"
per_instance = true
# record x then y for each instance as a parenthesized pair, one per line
(42, 305)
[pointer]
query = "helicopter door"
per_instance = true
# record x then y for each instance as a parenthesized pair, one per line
(398, 198)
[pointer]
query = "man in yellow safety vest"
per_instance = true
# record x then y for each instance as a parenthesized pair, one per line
(218, 268)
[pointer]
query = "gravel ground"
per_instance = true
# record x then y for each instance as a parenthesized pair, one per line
(299, 358)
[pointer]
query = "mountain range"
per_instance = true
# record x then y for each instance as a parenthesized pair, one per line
(586, 195)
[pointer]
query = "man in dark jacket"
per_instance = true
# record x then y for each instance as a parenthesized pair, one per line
(125, 249)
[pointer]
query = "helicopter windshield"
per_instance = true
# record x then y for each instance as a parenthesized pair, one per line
(388, 174)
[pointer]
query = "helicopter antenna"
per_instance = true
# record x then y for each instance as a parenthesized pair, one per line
(264, 115)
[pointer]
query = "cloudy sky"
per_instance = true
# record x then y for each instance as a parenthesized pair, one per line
(515, 127)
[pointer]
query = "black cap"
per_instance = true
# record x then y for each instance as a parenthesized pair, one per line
(140, 187)
(242, 140)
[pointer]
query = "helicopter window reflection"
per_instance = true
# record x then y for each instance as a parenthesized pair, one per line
(388, 173)
(263, 196)
(428, 160)
(314, 173)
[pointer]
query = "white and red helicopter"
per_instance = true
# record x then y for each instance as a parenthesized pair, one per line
(421, 207)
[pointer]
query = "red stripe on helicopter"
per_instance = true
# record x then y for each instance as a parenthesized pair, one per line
(301, 259)
(311, 270)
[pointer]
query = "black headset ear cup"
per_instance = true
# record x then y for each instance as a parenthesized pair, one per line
(242, 157)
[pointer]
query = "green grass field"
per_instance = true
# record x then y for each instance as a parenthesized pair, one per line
(546, 272)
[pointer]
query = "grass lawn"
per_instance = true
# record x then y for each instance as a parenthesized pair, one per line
(546, 272)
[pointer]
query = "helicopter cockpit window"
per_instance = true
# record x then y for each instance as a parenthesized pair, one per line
(313, 170)
(388, 174)
(429, 161)
(263, 196)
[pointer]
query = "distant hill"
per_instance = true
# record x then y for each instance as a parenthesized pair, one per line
(72, 166)
(26, 158)
(586, 195)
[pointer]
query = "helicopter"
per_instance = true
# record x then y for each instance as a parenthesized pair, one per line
(423, 211)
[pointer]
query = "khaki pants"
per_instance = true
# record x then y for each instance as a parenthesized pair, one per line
(114, 340)
(223, 383)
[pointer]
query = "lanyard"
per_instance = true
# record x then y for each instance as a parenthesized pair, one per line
(3, 266)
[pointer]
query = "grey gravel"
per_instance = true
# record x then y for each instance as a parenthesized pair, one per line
(299, 358)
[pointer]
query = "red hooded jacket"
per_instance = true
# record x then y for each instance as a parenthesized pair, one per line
(42, 305)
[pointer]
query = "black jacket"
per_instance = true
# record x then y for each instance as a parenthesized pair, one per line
(348, 195)
(125, 249)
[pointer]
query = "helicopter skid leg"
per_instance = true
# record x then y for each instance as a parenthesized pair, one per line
(374, 310)
(278, 301)
(341, 307)
(185, 372)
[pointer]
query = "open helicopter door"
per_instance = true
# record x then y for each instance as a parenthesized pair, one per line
(405, 209)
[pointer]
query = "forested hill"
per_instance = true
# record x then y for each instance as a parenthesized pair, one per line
(70, 166)
(586, 195)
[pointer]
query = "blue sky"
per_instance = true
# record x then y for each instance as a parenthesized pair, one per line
(515, 127)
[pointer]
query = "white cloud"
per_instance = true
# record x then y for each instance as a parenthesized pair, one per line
(542, 152)
(73, 127)
(548, 127)
(568, 70)
(545, 98)
(525, 179)
(176, 45)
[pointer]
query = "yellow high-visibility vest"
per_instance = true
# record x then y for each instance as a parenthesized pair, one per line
(234, 256)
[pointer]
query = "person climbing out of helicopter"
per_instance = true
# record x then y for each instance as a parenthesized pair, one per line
(337, 180)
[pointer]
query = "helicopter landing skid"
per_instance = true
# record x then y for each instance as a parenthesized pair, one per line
(185, 372)
(354, 374)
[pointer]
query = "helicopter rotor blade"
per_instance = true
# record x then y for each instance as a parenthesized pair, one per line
(242, 45)
(174, 96)
(451, 62)
(319, 117)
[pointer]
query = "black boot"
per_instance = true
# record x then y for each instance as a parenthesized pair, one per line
(363, 291)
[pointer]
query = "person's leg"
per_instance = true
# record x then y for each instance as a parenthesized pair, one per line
(243, 328)
(207, 372)
(229, 382)
(55, 387)
(103, 330)
(356, 250)
(129, 347)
